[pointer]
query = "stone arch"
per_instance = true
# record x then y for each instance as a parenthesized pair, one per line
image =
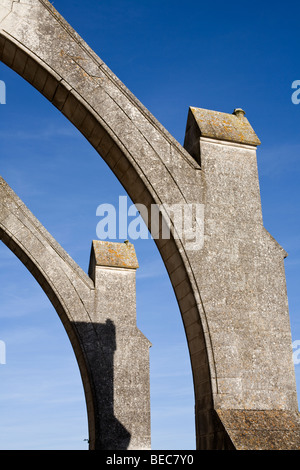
(52, 268)
(38, 44)
(133, 144)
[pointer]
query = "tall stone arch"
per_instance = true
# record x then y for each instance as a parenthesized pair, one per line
(231, 292)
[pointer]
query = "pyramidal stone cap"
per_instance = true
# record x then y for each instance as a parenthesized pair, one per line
(233, 127)
(112, 254)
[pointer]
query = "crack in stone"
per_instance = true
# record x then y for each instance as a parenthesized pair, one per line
(11, 8)
(75, 60)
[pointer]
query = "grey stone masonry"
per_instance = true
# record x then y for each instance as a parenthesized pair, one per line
(231, 290)
(124, 371)
(99, 316)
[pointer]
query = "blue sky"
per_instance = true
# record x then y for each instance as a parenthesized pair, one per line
(171, 55)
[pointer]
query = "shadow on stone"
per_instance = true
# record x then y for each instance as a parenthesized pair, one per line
(111, 434)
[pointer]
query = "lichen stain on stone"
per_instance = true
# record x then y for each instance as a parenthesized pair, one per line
(115, 254)
(224, 126)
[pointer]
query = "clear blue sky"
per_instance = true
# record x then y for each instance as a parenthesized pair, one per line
(171, 54)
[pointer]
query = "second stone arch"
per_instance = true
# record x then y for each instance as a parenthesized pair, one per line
(99, 314)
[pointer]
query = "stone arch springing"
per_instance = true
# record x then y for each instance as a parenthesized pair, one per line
(231, 292)
(51, 267)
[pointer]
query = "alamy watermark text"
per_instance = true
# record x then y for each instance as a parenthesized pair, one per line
(183, 221)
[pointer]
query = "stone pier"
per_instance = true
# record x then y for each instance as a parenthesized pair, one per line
(231, 291)
(124, 385)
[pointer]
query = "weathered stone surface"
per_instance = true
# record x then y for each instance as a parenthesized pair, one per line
(100, 319)
(118, 255)
(233, 127)
(124, 371)
(262, 430)
(232, 290)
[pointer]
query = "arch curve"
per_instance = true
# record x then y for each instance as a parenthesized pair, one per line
(52, 268)
(231, 294)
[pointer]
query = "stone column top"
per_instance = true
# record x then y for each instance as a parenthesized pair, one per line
(112, 254)
(233, 127)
